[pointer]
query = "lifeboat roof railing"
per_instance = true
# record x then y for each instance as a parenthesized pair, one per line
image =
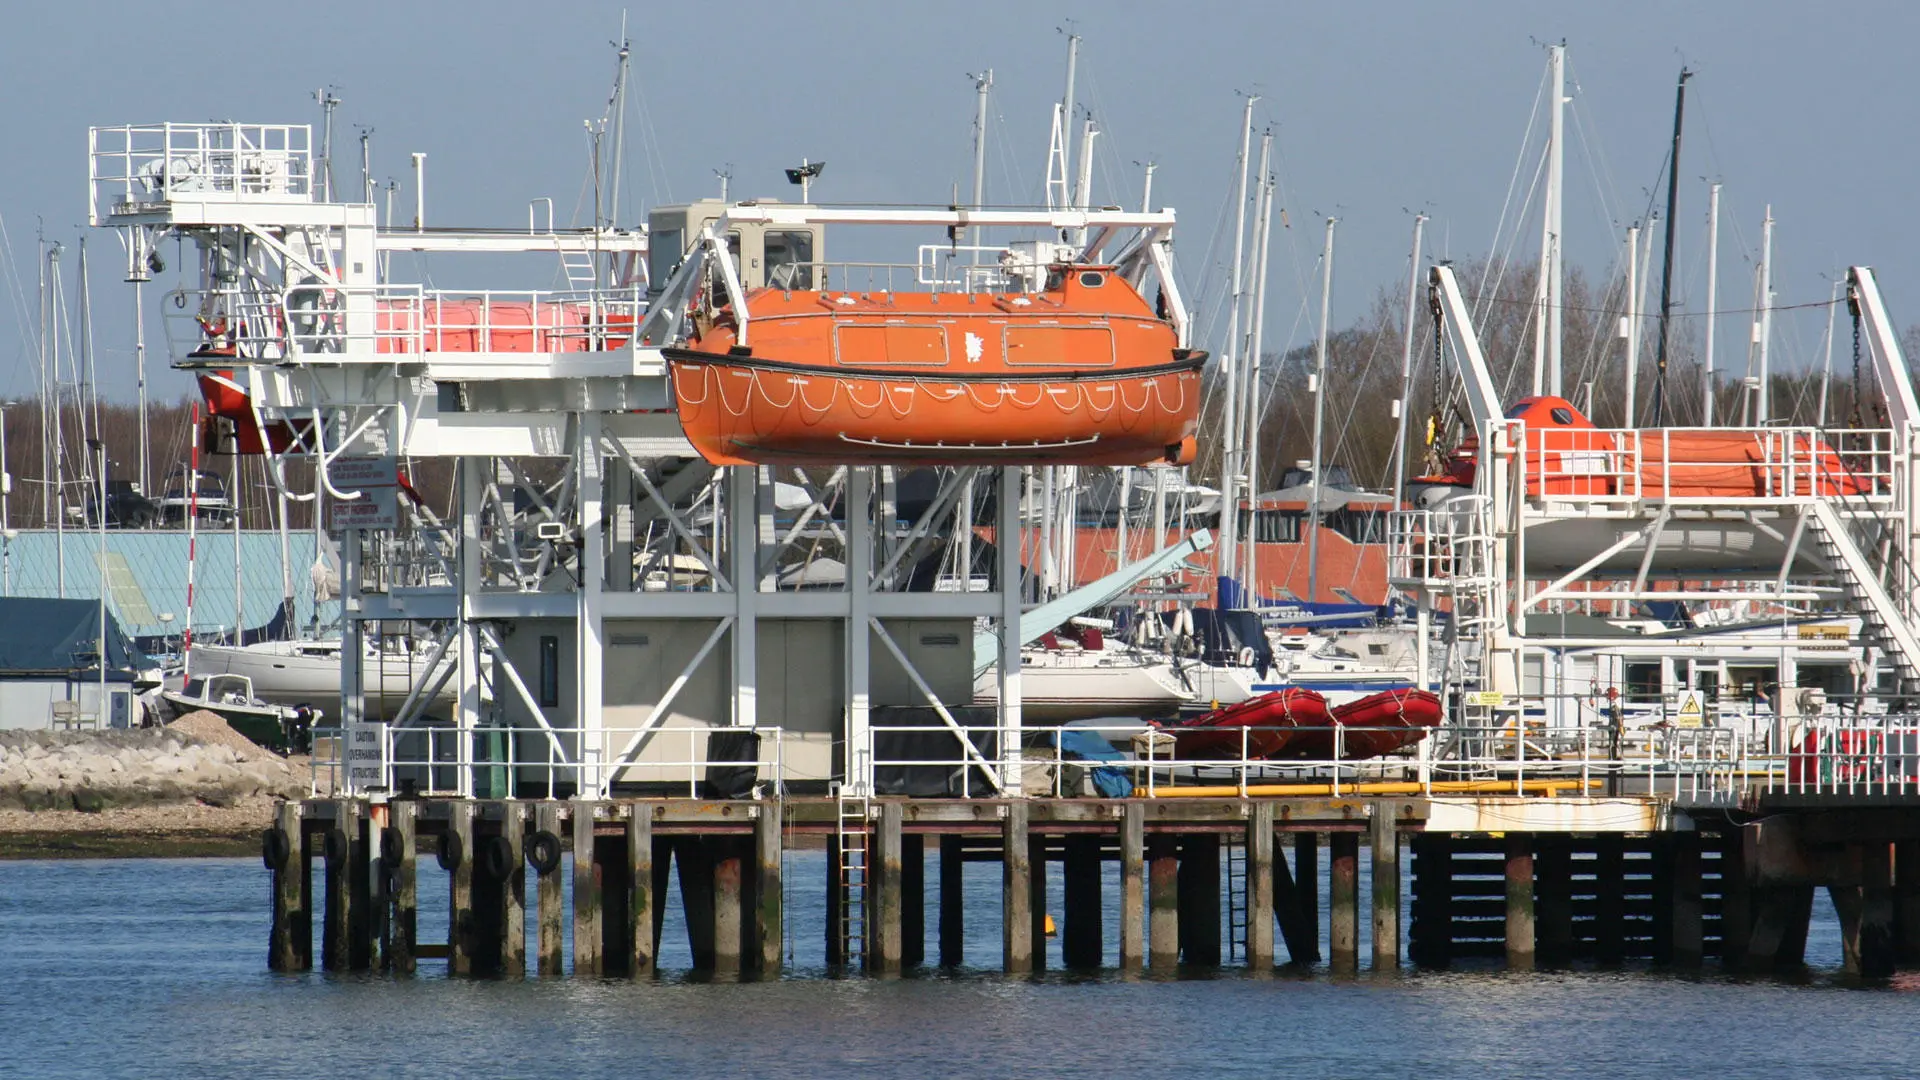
(1759, 466)
(136, 169)
(1142, 242)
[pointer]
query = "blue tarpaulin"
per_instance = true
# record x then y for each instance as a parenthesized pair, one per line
(1090, 745)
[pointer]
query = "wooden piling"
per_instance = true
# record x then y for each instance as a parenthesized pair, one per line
(1290, 910)
(1343, 897)
(1037, 897)
(1163, 898)
(1200, 900)
(361, 914)
(1384, 832)
(1686, 940)
(460, 928)
(884, 946)
(1780, 916)
(403, 940)
(953, 923)
(1906, 902)
(1520, 924)
(1259, 886)
(913, 900)
(1133, 886)
(586, 892)
(641, 898)
(1553, 900)
(1306, 878)
(548, 897)
(337, 848)
(285, 950)
(693, 862)
(1430, 936)
(1016, 893)
(728, 916)
(769, 912)
(513, 892)
(836, 905)
(1080, 904)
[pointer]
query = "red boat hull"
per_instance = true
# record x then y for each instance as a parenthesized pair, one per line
(1377, 724)
(1261, 726)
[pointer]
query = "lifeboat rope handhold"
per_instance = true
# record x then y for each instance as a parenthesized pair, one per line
(694, 356)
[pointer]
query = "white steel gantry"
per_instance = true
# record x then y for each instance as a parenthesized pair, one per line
(612, 603)
(1604, 522)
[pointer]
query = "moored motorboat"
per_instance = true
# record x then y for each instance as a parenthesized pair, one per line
(231, 697)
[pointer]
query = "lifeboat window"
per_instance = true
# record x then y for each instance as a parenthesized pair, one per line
(1059, 346)
(1562, 416)
(1093, 279)
(789, 258)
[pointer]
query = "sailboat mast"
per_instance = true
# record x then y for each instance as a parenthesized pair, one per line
(1547, 290)
(1666, 262)
(982, 83)
(1230, 378)
(1765, 401)
(1633, 323)
(1713, 310)
(1399, 473)
(1319, 390)
(1263, 231)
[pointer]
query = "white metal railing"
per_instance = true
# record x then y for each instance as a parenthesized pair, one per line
(1851, 760)
(1716, 466)
(497, 761)
(138, 168)
(1449, 543)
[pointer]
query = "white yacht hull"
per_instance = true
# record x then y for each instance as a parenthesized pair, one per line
(284, 675)
(1056, 689)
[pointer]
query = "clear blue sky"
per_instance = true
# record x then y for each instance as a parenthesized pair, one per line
(1379, 108)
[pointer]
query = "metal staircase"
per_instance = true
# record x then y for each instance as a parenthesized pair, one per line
(1874, 589)
(852, 829)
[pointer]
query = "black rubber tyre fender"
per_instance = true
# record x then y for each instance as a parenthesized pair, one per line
(390, 845)
(276, 847)
(452, 852)
(335, 846)
(496, 858)
(543, 851)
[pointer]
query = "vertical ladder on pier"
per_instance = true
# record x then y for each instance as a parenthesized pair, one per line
(1865, 581)
(1236, 900)
(577, 264)
(853, 829)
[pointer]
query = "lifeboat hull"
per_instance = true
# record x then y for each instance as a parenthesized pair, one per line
(739, 410)
(1261, 726)
(1377, 724)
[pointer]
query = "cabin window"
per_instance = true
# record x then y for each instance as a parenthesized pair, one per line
(789, 258)
(664, 252)
(549, 672)
(1562, 416)
(1093, 279)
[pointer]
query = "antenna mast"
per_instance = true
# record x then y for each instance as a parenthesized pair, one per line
(1666, 264)
(329, 101)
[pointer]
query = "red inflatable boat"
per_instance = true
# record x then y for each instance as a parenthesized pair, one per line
(1374, 725)
(1266, 721)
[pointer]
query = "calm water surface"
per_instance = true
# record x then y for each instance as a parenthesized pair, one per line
(157, 968)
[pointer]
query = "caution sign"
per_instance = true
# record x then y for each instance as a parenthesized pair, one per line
(1693, 710)
(1486, 699)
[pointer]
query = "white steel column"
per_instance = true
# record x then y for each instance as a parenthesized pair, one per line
(353, 701)
(858, 775)
(1007, 528)
(472, 473)
(589, 650)
(743, 557)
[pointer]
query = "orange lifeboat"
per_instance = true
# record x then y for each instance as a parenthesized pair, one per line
(1082, 372)
(1567, 455)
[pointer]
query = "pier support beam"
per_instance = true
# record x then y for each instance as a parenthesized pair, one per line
(513, 893)
(1037, 897)
(1780, 917)
(1906, 902)
(403, 937)
(1736, 901)
(913, 900)
(1430, 943)
(1687, 940)
(1200, 900)
(883, 948)
(1866, 914)
(1016, 893)
(1384, 832)
(461, 931)
(586, 893)
(728, 913)
(953, 919)
(337, 846)
(1081, 907)
(551, 943)
(1133, 886)
(769, 913)
(290, 942)
(1343, 896)
(641, 897)
(1298, 922)
(1259, 885)
(693, 862)
(1609, 899)
(1553, 900)
(1520, 925)
(1163, 895)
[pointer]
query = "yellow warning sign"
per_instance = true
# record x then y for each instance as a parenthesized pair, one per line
(1486, 699)
(1693, 711)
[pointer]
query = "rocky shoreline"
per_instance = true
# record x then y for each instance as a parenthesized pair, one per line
(193, 788)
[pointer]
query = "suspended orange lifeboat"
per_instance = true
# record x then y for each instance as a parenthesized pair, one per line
(1082, 372)
(1565, 454)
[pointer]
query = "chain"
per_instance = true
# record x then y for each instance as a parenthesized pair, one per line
(1434, 464)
